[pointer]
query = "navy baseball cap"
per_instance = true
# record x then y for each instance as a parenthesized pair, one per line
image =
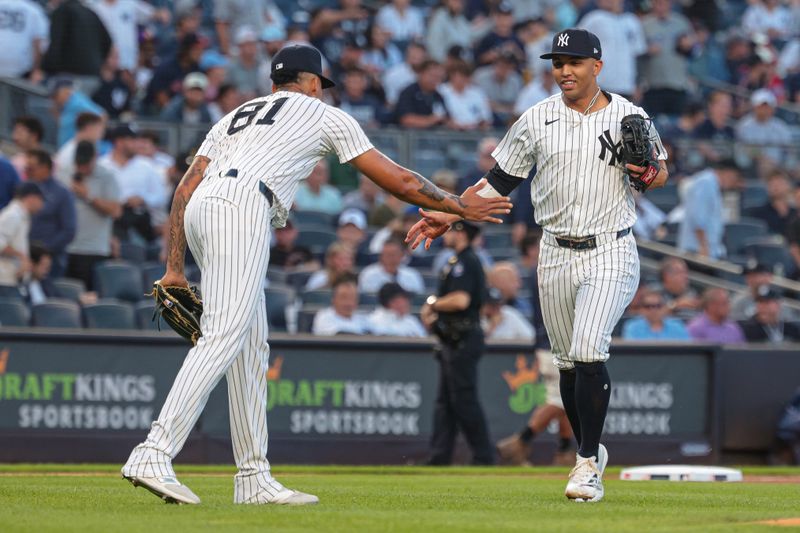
(302, 58)
(575, 42)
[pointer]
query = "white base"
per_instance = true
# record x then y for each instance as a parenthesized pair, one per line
(680, 473)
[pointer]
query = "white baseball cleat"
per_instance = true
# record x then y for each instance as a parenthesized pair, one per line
(167, 488)
(293, 497)
(586, 479)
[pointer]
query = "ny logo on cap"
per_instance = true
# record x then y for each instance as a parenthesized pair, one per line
(563, 39)
(279, 66)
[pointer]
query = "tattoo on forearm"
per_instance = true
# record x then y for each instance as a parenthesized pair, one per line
(176, 243)
(433, 192)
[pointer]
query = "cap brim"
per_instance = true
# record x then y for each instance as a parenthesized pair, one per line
(326, 83)
(552, 55)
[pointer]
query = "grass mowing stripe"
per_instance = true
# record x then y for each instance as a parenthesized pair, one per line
(369, 502)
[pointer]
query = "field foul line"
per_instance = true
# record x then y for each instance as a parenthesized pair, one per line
(783, 522)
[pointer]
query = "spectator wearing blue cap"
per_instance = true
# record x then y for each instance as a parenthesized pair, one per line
(190, 106)
(215, 66)
(69, 103)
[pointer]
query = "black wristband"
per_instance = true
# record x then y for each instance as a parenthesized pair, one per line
(501, 181)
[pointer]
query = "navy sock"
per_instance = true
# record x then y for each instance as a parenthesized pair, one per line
(566, 385)
(527, 434)
(592, 393)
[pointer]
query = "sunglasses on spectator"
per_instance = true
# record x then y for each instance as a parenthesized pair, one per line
(653, 305)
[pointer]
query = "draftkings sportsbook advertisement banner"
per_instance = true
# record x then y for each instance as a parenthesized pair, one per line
(338, 390)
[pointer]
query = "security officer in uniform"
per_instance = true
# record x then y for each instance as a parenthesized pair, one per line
(453, 316)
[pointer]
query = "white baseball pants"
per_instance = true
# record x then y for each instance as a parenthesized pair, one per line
(228, 231)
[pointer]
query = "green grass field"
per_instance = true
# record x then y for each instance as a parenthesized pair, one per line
(87, 498)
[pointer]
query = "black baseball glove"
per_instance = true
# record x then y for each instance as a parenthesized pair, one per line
(180, 308)
(638, 149)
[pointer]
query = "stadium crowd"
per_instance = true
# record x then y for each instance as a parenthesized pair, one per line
(82, 211)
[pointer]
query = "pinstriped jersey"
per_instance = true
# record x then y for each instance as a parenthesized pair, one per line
(580, 187)
(278, 139)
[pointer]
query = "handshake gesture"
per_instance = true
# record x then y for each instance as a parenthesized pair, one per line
(435, 224)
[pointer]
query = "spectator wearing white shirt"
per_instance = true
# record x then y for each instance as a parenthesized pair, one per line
(339, 261)
(149, 147)
(23, 39)
(143, 189)
(448, 27)
(468, 105)
(500, 321)
(769, 17)
(88, 127)
(537, 38)
(537, 90)
(393, 314)
(501, 82)
(623, 42)
(122, 18)
(763, 129)
(343, 315)
(397, 78)
(403, 21)
(352, 228)
(390, 268)
(15, 223)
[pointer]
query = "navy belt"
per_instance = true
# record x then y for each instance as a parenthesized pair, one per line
(262, 187)
(586, 243)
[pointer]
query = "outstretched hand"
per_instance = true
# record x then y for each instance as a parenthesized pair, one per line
(481, 209)
(432, 225)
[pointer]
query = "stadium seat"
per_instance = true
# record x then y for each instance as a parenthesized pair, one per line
(150, 273)
(738, 233)
(305, 218)
(776, 256)
(110, 314)
(298, 280)
(753, 195)
(11, 292)
(57, 313)
(133, 252)
(665, 198)
(144, 315)
(426, 162)
(365, 258)
(317, 297)
(120, 280)
(369, 299)
(69, 288)
(14, 312)
(279, 299)
(276, 275)
(316, 240)
(421, 261)
(497, 240)
(305, 318)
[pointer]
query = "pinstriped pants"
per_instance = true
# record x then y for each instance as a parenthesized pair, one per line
(584, 294)
(228, 232)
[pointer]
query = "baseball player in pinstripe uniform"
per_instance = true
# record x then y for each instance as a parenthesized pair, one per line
(589, 265)
(242, 180)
